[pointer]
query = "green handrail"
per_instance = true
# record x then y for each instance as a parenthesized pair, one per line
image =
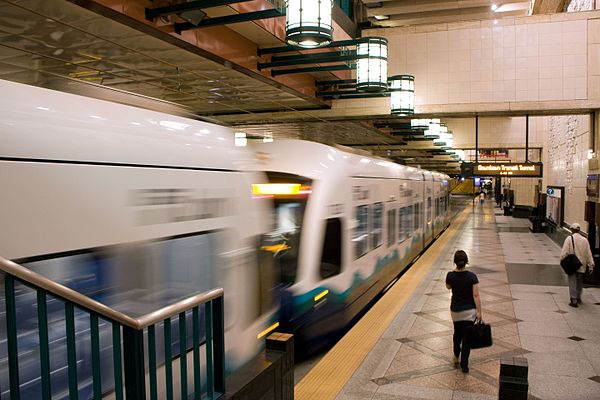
(128, 348)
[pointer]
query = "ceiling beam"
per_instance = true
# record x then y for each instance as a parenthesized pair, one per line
(416, 7)
(229, 19)
(443, 17)
(151, 13)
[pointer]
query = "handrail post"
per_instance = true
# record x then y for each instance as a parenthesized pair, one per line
(133, 349)
(219, 344)
(11, 333)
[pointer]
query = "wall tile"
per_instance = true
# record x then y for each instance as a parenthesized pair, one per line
(521, 95)
(594, 59)
(594, 87)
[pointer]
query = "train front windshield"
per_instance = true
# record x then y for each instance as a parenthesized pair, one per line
(283, 242)
(285, 238)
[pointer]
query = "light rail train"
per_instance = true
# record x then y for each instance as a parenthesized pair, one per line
(346, 226)
(133, 208)
(139, 209)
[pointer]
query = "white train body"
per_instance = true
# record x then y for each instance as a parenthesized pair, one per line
(136, 208)
(359, 222)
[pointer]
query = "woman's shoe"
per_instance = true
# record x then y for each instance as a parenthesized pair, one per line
(465, 370)
(456, 361)
(573, 303)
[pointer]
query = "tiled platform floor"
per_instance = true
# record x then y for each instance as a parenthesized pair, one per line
(524, 298)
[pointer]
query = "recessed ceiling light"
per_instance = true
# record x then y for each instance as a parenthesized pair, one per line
(494, 7)
(382, 17)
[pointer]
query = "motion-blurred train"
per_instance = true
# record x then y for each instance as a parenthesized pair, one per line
(139, 209)
(346, 226)
(133, 208)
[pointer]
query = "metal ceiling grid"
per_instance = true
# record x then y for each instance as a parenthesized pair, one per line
(45, 42)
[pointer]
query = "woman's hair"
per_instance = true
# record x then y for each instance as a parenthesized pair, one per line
(460, 259)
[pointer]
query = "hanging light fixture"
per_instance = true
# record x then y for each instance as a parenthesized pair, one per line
(240, 139)
(308, 23)
(419, 124)
(442, 135)
(402, 88)
(371, 64)
(434, 128)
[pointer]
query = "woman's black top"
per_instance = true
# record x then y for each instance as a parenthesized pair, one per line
(462, 289)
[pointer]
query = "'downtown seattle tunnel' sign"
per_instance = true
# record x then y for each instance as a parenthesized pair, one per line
(512, 170)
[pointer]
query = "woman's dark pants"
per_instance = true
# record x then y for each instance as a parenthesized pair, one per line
(460, 337)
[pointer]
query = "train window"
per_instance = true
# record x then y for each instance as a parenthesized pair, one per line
(406, 223)
(331, 256)
(409, 220)
(428, 210)
(361, 233)
(285, 237)
(377, 229)
(391, 227)
(417, 218)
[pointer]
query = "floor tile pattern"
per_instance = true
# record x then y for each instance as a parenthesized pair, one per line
(529, 317)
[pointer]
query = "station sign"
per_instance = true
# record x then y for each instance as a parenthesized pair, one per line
(512, 170)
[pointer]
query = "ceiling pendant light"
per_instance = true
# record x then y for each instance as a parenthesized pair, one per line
(308, 23)
(371, 64)
(402, 89)
(419, 124)
(434, 128)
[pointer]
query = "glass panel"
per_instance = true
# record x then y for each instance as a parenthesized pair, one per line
(391, 227)
(331, 256)
(361, 232)
(428, 209)
(284, 240)
(402, 224)
(377, 231)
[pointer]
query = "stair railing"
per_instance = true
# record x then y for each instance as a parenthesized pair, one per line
(130, 348)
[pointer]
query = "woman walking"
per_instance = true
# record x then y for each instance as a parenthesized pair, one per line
(465, 306)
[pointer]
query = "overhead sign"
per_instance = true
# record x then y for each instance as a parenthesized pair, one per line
(514, 170)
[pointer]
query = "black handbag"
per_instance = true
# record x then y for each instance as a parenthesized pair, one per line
(480, 335)
(570, 264)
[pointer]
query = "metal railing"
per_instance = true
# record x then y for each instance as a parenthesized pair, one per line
(130, 348)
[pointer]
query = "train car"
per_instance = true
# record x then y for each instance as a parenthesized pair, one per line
(346, 226)
(134, 208)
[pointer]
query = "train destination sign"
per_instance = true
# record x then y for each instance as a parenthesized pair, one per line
(515, 170)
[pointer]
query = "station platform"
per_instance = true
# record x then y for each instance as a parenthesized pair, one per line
(402, 348)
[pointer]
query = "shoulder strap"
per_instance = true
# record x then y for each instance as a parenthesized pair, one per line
(573, 243)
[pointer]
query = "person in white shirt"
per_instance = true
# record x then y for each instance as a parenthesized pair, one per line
(584, 254)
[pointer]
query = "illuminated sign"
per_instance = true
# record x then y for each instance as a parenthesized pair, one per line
(513, 170)
(276, 188)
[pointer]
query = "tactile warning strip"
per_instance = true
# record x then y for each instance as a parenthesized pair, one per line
(329, 376)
